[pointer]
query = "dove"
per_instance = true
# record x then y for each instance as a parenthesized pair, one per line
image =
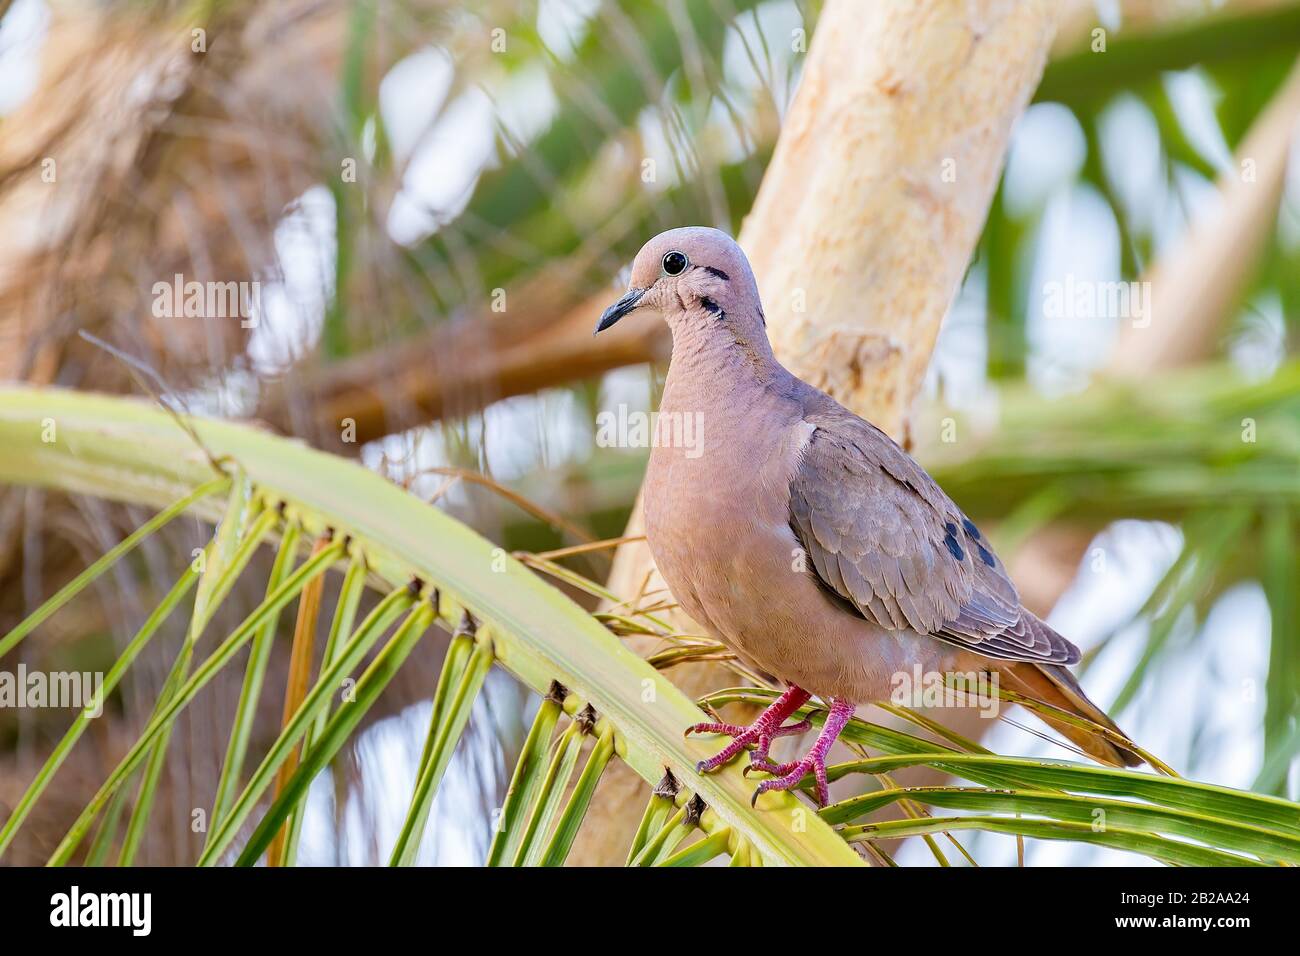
(804, 539)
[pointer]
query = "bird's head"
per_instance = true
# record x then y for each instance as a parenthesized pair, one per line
(698, 279)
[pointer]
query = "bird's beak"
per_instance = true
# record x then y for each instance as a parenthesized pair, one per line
(619, 309)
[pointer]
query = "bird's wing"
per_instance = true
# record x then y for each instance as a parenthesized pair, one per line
(883, 537)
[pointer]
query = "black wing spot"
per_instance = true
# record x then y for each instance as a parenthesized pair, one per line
(971, 530)
(717, 272)
(953, 547)
(986, 556)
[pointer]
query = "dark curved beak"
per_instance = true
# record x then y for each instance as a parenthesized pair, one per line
(619, 309)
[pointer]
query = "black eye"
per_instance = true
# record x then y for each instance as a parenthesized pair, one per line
(675, 263)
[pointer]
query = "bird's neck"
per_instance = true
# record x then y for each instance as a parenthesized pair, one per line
(711, 360)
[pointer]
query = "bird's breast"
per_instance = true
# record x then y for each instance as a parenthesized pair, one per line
(712, 519)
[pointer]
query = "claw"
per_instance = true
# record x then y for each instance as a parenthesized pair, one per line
(759, 763)
(759, 735)
(730, 730)
(813, 764)
(790, 776)
(768, 727)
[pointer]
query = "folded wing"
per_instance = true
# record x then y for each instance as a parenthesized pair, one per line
(883, 537)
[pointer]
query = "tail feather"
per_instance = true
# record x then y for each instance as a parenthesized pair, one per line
(1054, 684)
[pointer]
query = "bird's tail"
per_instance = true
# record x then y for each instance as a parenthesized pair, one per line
(1054, 684)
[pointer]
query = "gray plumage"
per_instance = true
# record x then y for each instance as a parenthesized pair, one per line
(884, 537)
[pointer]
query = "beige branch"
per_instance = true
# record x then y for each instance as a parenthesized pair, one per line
(411, 382)
(1199, 284)
(1194, 291)
(1078, 18)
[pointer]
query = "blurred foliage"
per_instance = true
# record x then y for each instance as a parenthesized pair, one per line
(701, 86)
(1208, 450)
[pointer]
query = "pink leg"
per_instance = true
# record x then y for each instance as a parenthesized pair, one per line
(761, 733)
(792, 774)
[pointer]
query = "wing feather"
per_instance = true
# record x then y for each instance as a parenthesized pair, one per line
(883, 537)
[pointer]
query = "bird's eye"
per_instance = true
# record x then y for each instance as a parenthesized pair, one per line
(675, 263)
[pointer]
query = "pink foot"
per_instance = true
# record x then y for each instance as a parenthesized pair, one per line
(787, 776)
(761, 733)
